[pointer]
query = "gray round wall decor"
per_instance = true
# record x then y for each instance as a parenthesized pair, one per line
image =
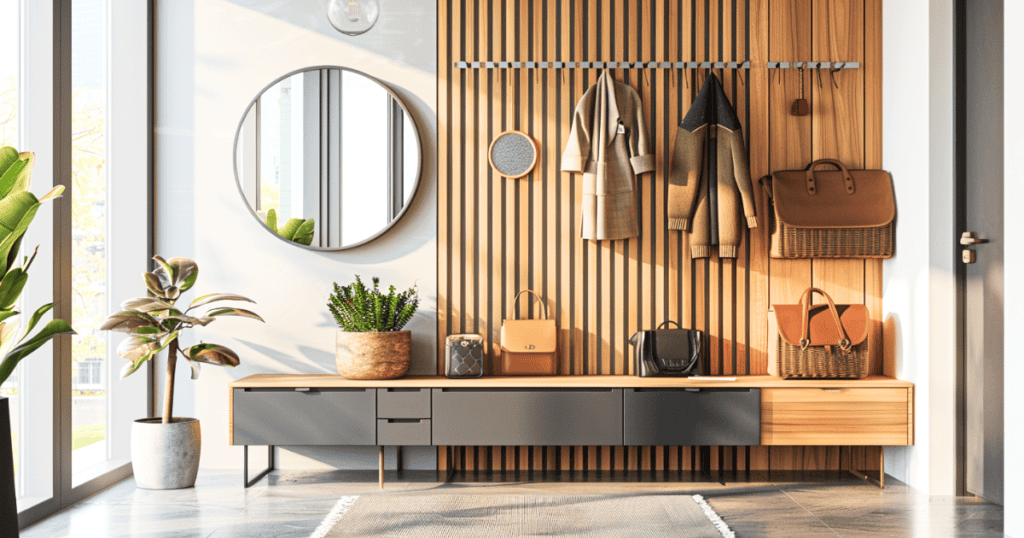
(513, 154)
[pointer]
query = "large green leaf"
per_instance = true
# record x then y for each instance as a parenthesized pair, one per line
(8, 156)
(288, 230)
(186, 272)
(153, 284)
(212, 354)
(17, 176)
(227, 311)
(11, 359)
(4, 314)
(11, 285)
(16, 213)
(304, 235)
(272, 219)
(128, 320)
(212, 297)
(54, 193)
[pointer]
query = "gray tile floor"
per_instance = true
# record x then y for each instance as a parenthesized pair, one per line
(293, 503)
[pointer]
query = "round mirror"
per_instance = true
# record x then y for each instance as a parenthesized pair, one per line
(327, 158)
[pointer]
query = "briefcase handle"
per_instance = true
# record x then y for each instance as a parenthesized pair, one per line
(812, 182)
(678, 326)
(539, 298)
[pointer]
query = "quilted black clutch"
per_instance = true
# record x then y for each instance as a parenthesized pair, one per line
(464, 356)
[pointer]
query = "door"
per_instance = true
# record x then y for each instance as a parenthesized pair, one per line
(982, 146)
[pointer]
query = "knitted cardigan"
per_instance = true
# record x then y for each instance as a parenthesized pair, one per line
(709, 179)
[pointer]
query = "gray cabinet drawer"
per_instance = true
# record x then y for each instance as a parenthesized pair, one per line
(313, 417)
(482, 417)
(702, 417)
(403, 403)
(403, 431)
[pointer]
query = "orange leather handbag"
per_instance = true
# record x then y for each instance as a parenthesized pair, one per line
(529, 346)
(822, 341)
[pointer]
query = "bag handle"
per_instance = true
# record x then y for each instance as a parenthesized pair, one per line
(539, 298)
(666, 323)
(812, 182)
(805, 302)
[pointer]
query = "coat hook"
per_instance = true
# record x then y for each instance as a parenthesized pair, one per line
(739, 74)
(819, 75)
(832, 75)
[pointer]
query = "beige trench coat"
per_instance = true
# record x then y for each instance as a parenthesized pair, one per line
(608, 144)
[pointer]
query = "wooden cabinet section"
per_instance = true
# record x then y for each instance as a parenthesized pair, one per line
(837, 416)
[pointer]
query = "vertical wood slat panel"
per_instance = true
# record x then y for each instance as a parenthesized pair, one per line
(525, 232)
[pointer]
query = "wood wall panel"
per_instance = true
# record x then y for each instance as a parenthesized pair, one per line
(497, 236)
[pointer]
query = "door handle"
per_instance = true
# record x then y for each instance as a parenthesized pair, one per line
(971, 238)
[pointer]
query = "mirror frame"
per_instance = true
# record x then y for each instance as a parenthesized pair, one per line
(419, 164)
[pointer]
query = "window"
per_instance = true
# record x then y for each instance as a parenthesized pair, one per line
(91, 133)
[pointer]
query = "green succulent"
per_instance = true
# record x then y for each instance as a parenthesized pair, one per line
(154, 323)
(358, 309)
(295, 230)
(18, 207)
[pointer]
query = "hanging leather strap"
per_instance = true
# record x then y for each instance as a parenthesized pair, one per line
(539, 298)
(805, 330)
(812, 182)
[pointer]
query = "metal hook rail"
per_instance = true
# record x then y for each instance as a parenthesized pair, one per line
(603, 65)
(814, 65)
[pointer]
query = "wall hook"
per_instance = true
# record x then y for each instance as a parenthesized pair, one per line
(819, 75)
(832, 74)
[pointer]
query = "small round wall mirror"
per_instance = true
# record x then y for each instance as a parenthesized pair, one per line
(513, 154)
(327, 158)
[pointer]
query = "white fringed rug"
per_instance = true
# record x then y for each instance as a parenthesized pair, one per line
(476, 516)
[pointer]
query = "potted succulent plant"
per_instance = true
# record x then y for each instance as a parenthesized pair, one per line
(18, 207)
(370, 342)
(165, 450)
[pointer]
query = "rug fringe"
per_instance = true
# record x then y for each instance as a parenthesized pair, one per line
(713, 516)
(334, 515)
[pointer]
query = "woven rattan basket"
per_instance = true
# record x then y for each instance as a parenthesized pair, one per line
(790, 242)
(817, 363)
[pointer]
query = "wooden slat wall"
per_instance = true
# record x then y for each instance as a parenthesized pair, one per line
(497, 236)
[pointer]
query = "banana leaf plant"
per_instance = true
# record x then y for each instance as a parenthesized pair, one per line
(18, 207)
(295, 230)
(155, 323)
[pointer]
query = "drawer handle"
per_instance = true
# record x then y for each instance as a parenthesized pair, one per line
(302, 389)
(403, 389)
(404, 420)
(833, 390)
(692, 389)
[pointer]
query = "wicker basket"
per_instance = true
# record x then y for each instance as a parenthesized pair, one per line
(831, 214)
(817, 362)
(790, 242)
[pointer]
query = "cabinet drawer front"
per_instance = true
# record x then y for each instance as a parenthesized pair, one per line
(730, 417)
(403, 403)
(848, 416)
(468, 417)
(312, 417)
(403, 431)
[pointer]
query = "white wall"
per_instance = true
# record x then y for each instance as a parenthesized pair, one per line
(919, 282)
(1013, 365)
(212, 58)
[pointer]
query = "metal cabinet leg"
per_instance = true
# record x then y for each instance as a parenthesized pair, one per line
(380, 465)
(881, 472)
(245, 465)
(398, 458)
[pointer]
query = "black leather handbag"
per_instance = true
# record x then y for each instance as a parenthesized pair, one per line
(667, 352)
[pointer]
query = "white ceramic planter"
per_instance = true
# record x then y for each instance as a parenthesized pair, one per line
(165, 456)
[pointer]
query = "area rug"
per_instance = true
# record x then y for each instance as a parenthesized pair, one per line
(451, 516)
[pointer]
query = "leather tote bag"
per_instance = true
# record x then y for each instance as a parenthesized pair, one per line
(529, 346)
(831, 213)
(822, 341)
(667, 352)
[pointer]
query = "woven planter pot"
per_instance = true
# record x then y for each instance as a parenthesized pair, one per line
(373, 355)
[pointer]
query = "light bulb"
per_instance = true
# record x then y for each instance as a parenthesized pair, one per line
(353, 17)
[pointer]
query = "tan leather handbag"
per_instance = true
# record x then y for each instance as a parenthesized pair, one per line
(529, 346)
(831, 213)
(822, 341)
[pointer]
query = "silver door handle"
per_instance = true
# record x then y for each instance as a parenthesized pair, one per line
(971, 238)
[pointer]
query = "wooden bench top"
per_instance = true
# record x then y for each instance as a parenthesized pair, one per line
(574, 381)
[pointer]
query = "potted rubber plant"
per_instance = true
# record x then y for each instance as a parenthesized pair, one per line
(370, 342)
(18, 207)
(165, 450)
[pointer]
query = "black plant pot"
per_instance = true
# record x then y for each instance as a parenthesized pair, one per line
(8, 501)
